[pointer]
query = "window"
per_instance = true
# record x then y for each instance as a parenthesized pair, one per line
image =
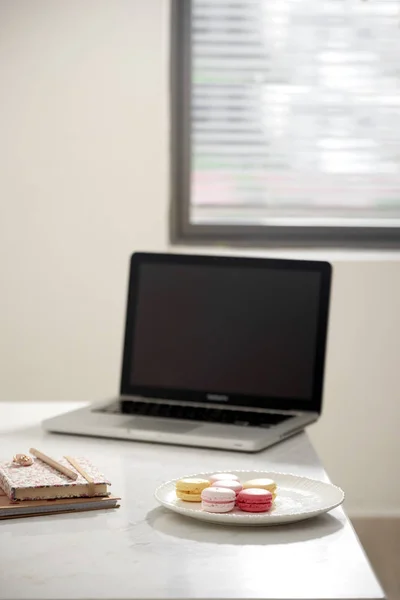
(286, 121)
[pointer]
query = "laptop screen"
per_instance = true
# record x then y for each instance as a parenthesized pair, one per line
(226, 329)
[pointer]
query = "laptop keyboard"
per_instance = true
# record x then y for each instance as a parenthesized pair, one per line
(197, 413)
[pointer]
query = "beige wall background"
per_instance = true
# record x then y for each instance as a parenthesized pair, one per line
(84, 182)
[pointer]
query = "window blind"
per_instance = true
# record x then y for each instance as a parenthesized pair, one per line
(295, 112)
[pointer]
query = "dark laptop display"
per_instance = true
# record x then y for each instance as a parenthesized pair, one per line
(243, 331)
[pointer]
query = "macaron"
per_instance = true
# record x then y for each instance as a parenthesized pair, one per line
(229, 484)
(218, 500)
(190, 488)
(263, 484)
(223, 477)
(254, 500)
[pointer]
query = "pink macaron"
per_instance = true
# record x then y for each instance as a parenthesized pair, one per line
(223, 477)
(229, 484)
(254, 500)
(218, 500)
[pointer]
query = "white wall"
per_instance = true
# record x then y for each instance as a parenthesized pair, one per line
(84, 182)
(358, 434)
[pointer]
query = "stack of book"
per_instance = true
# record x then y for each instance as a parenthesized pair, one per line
(40, 488)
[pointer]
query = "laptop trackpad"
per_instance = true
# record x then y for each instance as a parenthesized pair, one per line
(160, 425)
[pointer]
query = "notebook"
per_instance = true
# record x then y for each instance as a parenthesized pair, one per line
(40, 481)
(32, 508)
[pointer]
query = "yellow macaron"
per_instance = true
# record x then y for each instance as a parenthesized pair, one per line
(263, 484)
(190, 488)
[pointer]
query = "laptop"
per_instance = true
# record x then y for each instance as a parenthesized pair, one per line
(219, 352)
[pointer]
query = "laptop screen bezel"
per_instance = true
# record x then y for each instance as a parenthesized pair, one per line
(314, 404)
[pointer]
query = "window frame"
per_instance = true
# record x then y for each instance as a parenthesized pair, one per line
(184, 232)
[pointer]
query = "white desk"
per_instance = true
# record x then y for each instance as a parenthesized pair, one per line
(143, 551)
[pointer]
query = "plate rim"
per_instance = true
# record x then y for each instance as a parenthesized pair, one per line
(230, 517)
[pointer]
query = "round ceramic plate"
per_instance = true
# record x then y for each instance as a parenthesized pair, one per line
(297, 498)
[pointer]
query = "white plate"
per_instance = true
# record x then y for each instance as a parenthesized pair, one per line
(297, 498)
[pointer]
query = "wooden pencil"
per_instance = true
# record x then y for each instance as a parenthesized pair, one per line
(82, 471)
(53, 463)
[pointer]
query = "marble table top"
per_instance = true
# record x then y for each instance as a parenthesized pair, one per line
(141, 550)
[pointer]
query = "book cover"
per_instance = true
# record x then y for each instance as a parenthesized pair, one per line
(42, 481)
